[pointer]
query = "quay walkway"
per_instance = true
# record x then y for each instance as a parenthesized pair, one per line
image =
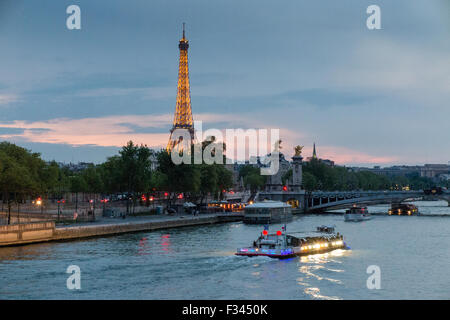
(20, 234)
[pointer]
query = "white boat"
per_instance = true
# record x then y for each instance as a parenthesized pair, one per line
(267, 211)
(357, 214)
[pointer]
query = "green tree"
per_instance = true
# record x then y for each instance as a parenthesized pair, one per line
(309, 181)
(77, 185)
(252, 178)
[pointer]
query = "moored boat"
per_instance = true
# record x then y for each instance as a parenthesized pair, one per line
(403, 209)
(266, 212)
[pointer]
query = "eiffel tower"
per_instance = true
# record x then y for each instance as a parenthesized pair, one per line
(183, 112)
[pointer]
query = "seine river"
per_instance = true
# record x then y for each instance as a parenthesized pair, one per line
(199, 263)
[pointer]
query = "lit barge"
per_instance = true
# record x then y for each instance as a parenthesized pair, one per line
(281, 245)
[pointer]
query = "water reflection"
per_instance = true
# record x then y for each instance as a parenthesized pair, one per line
(165, 243)
(315, 293)
(43, 251)
(144, 247)
(315, 269)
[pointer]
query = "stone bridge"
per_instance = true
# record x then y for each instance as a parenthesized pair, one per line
(322, 200)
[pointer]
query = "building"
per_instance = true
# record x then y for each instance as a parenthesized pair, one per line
(434, 170)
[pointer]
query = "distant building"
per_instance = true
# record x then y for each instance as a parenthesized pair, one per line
(434, 170)
(154, 161)
(76, 167)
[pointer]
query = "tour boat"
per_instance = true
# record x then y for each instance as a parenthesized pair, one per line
(281, 245)
(357, 214)
(403, 209)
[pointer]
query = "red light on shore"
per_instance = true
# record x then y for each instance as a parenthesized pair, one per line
(279, 233)
(265, 232)
(285, 188)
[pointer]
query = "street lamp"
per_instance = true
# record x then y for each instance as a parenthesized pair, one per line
(39, 202)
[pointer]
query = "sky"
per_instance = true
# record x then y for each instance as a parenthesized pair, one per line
(310, 68)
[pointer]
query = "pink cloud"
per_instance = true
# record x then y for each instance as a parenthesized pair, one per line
(103, 131)
(116, 131)
(342, 155)
(106, 132)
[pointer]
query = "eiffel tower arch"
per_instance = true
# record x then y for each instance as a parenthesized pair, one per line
(183, 113)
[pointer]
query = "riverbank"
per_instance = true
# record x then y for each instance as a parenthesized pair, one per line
(13, 235)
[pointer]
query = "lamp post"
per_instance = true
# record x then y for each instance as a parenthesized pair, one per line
(39, 203)
(59, 202)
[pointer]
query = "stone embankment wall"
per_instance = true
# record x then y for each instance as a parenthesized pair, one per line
(26, 233)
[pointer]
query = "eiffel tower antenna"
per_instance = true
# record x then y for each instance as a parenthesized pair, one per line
(183, 112)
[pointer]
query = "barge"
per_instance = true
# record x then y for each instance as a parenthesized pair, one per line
(282, 246)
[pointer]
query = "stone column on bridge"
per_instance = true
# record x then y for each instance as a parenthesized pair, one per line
(297, 178)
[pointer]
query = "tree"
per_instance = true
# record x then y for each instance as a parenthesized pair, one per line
(252, 178)
(135, 169)
(77, 185)
(309, 181)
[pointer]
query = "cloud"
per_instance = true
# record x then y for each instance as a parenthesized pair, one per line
(152, 130)
(111, 131)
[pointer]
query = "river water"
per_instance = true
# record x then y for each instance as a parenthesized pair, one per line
(199, 263)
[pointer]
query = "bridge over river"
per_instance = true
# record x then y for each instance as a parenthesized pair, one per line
(330, 200)
(323, 200)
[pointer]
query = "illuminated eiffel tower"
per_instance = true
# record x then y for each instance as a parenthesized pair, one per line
(183, 112)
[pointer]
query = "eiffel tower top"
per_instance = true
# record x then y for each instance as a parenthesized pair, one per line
(184, 43)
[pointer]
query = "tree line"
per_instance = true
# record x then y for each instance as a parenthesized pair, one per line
(319, 176)
(24, 175)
